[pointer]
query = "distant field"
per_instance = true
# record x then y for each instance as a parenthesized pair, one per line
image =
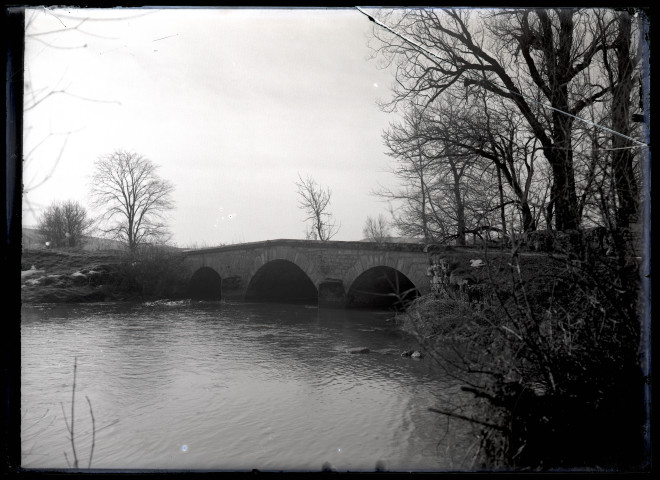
(32, 240)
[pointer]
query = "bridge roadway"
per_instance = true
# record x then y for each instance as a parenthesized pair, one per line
(331, 274)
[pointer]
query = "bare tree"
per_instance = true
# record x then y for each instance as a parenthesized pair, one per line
(310, 234)
(49, 30)
(493, 130)
(440, 185)
(530, 57)
(314, 200)
(416, 216)
(376, 229)
(134, 199)
(621, 73)
(65, 224)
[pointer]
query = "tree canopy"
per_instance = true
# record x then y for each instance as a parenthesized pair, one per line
(65, 224)
(132, 197)
(515, 86)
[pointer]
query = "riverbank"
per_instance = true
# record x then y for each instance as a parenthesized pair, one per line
(67, 276)
(74, 276)
(548, 348)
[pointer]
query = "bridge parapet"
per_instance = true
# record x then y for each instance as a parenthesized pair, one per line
(314, 244)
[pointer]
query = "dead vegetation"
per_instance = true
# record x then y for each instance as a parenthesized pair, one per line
(550, 357)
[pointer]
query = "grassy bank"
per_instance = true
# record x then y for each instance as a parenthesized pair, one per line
(66, 275)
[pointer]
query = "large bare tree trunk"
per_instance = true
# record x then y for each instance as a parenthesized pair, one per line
(460, 207)
(501, 193)
(563, 190)
(556, 47)
(622, 159)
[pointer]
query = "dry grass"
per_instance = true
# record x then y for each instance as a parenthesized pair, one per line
(151, 274)
(63, 262)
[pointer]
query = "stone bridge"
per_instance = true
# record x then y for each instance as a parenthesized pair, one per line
(330, 274)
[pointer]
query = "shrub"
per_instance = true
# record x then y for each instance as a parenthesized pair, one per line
(553, 365)
(151, 272)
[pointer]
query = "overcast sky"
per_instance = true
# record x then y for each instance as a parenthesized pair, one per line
(231, 103)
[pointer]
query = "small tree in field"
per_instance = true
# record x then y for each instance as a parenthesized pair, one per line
(133, 198)
(376, 229)
(314, 200)
(64, 224)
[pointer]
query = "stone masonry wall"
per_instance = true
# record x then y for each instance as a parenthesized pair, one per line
(321, 261)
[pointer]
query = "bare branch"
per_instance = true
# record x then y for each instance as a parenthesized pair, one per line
(314, 201)
(133, 198)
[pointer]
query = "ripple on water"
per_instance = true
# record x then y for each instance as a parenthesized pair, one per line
(241, 386)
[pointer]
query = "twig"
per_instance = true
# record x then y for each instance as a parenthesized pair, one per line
(468, 419)
(37, 421)
(73, 403)
(114, 422)
(91, 412)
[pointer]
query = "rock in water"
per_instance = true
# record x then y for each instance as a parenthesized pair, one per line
(32, 272)
(416, 354)
(358, 350)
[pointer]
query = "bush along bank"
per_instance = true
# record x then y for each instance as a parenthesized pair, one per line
(546, 348)
(68, 276)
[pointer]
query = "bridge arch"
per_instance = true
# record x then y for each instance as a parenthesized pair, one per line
(416, 275)
(205, 284)
(365, 270)
(293, 255)
(381, 287)
(281, 281)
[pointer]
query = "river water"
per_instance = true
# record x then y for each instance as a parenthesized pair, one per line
(220, 386)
